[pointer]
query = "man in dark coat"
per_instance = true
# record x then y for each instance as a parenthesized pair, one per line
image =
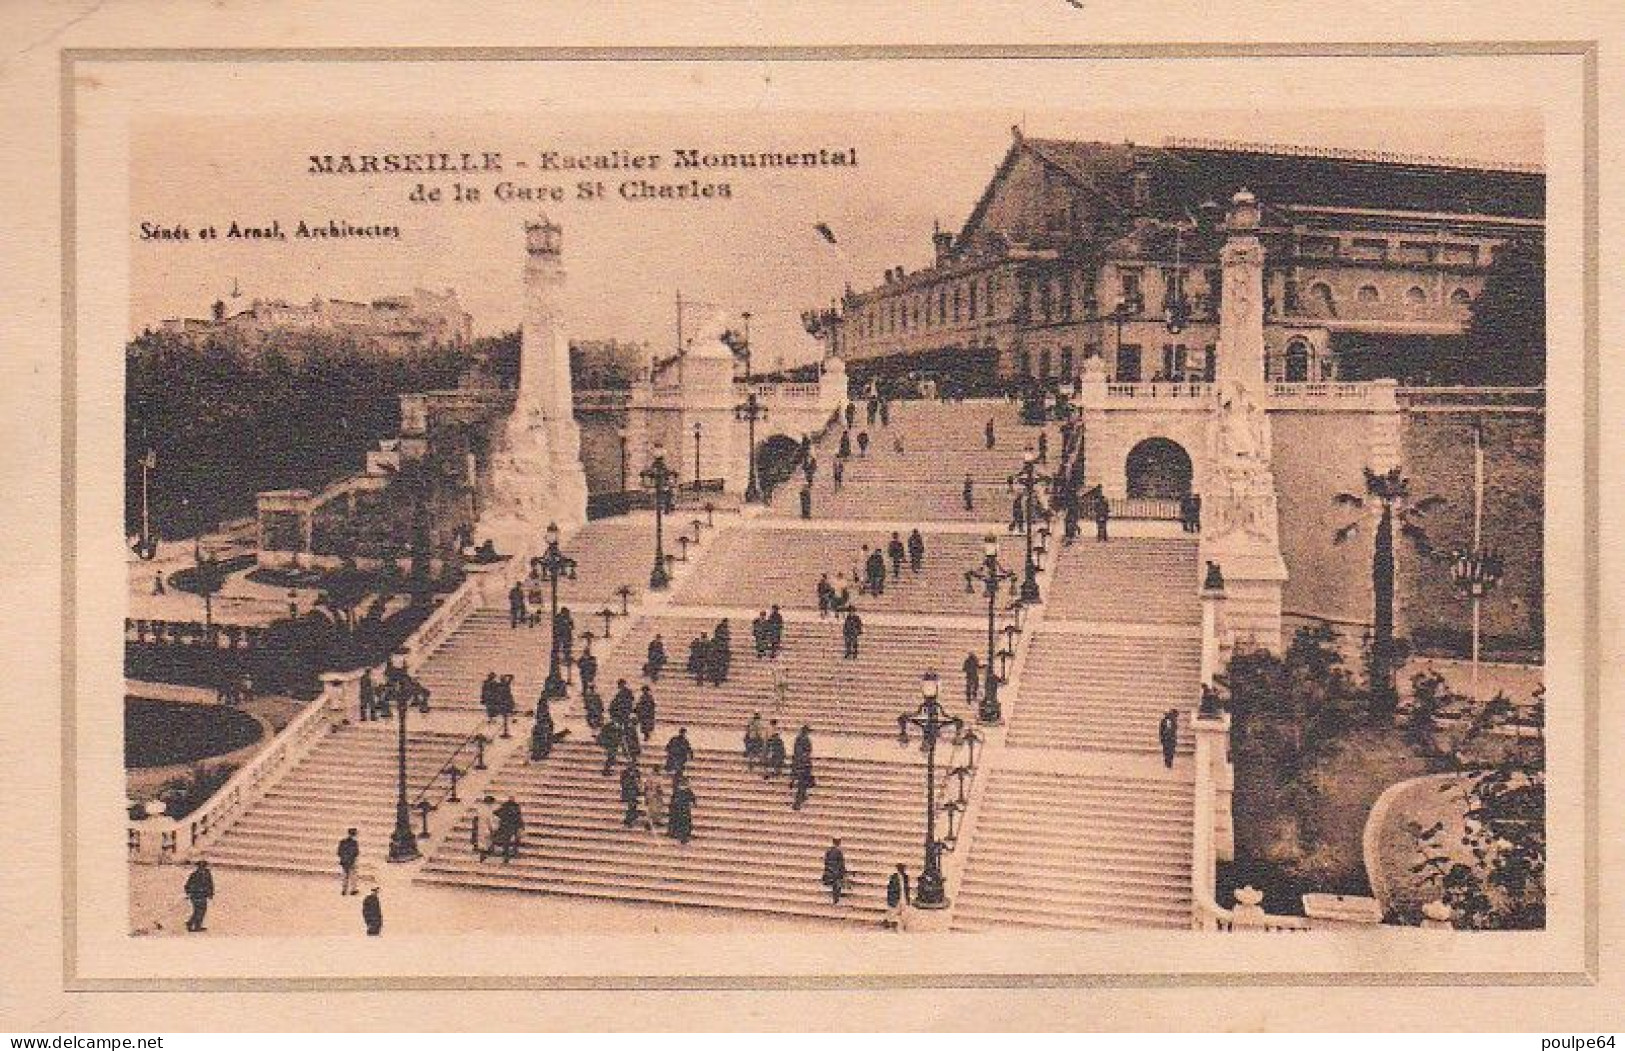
(1018, 513)
(801, 766)
(775, 632)
(680, 822)
(826, 594)
(916, 551)
(773, 752)
(564, 629)
(678, 752)
(755, 738)
(851, 413)
(645, 711)
(1103, 514)
(1168, 735)
(655, 660)
(541, 732)
(622, 705)
(872, 410)
(510, 828)
(631, 793)
(349, 854)
(199, 889)
(970, 492)
(1043, 447)
(372, 913)
(368, 694)
(896, 551)
(835, 874)
(489, 693)
(863, 443)
(987, 432)
(844, 450)
(973, 678)
(851, 631)
(587, 667)
(698, 658)
(516, 605)
(875, 569)
(758, 633)
(721, 652)
(806, 501)
(609, 739)
(593, 706)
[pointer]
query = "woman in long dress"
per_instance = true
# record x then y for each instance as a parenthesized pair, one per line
(654, 801)
(680, 823)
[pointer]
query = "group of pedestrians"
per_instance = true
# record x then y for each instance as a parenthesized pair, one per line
(764, 750)
(711, 656)
(768, 632)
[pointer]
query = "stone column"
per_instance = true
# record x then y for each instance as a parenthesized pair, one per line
(1240, 521)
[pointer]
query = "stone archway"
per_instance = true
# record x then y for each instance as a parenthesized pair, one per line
(1158, 469)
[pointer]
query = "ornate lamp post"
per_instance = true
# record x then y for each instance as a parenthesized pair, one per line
(697, 432)
(990, 575)
(1029, 479)
(750, 411)
(554, 564)
(932, 720)
(659, 477)
(1476, 573)
(401, 690)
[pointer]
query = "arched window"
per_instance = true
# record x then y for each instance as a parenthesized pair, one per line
(1321, 301)
(1461, 297)
(1415, 296)
(1297, 361)
(1368, 294)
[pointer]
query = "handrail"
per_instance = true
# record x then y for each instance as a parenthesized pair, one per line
(448, 764)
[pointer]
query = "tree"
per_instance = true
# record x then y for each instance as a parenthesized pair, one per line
(1387, 496)
(344, 590)
(1506, 334)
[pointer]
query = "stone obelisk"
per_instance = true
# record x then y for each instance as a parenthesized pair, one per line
(537, 476)
(1240, 521)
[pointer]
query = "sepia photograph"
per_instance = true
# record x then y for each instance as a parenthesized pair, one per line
(749, 519)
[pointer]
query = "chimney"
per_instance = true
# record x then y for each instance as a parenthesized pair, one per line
(943, 241)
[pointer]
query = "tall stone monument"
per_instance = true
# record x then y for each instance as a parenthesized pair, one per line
(1240, 520)
(536, 475)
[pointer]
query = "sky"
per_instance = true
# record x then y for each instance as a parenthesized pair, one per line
(628, 260)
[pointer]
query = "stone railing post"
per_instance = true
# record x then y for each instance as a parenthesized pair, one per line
(1213, 750)
(1248, 910)
(341, 693)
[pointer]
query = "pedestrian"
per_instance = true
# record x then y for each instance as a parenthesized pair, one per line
(678, 752)
(630, 742)
(1071, 532)
(587, 668)
(851, 631)
(973, 678)
(897, 443)
(564, 630)
(875, 568)
(368, 693)
(645, 711)
(482, 834)
(1168, 734)
(844, 450)
(885, 413)
(806, 500)
(349, 854)
(863, 443)
(721, 651)
(655, 660)
(680, 819)
(654, 802)
(1043, 446)
(593, 707)
(897, 899)
(775, 632)
(541, 732)
(158, 583)
(1103, 514)
(199, 891)
(781, 690)
(755, 738)
(622, 704)
(1018, 514)
(970, 502)
(758, 633)
(698, 657)
(801, 766)
(510, 829)
(516, 605)
(489, 693)
(826, 595)
(873, 410)
(916, 550)
(631, 794)
(773, 752)
(372, 912)
(987, 432)
(896, 551)
(851, 414)
(839, 473)
(835, 875)
(609, 739)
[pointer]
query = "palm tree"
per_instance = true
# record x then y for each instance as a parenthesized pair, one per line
(1387, 497)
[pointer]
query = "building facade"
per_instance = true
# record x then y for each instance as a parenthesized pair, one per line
(1081, 249)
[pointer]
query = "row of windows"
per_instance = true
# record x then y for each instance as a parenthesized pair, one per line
(968, 300)
(1379, 249)
(1321, 297)
(1179, 363)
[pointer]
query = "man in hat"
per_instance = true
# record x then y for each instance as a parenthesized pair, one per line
(199, 891)
(372, 912)
(835, 875)
(349, 854)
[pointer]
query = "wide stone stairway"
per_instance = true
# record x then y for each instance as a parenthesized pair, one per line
(822, 689)
(347, 781)
(750, 851)
(1104, 693)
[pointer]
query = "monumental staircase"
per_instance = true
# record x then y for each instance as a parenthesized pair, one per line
(749, 851)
